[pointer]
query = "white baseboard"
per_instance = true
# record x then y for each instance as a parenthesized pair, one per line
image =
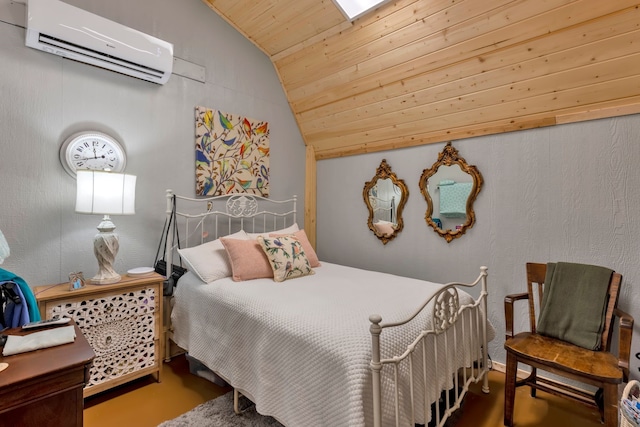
(497, 366)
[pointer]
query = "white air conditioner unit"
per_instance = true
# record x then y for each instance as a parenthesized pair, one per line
(65, 30)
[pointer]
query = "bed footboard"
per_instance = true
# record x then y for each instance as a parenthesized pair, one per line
(455, 328)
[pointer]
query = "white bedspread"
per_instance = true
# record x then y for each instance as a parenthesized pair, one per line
(301, 349)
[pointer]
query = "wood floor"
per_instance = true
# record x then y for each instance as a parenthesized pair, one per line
(145, 403)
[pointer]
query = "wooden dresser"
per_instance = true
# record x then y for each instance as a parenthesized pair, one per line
(121, 321)
(43, 388)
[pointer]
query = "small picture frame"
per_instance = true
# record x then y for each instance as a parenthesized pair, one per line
(76, 281)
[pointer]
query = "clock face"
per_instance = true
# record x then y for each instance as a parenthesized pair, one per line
(92, 151)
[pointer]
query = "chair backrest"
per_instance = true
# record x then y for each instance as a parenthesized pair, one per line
(535, 283)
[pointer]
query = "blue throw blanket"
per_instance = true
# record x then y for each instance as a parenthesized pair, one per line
(30, 299)
(15, 313)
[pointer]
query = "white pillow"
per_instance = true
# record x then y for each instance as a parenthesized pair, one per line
(209, 261)
(289, 230)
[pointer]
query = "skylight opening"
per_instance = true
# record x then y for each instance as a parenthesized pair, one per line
(353, 9)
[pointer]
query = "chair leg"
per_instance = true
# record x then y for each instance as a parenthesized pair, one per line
(610, 405)
(599, 398)
(532, 378)
(510, 389)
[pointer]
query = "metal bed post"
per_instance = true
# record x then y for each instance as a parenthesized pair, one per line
(168, 254)
(485, 350)
(376, 367)
(295, 209)
(166, 329)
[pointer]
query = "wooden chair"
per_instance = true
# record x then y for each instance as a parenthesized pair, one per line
(602, 368)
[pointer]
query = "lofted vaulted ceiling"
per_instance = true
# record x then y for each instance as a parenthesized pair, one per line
(419, 71)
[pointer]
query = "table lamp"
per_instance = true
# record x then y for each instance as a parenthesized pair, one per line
(105, 193)
(4, 248)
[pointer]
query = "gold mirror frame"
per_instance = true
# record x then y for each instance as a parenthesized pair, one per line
(384, 172)
(448, 157)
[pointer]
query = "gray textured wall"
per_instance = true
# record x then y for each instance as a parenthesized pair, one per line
(564, 193)
(45, 98)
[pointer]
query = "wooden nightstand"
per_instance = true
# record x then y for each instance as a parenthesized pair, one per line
(44, 387)
(121, 321)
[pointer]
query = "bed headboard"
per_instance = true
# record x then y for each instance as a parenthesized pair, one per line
(204, 219)
(383, 209)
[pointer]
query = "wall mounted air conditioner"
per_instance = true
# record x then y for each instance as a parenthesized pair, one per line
(65, 30)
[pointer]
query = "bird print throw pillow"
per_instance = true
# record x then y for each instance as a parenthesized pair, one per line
(286, 256)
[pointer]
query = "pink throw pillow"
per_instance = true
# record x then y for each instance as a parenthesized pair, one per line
(384, 228)
(248, 260)
(306, 246)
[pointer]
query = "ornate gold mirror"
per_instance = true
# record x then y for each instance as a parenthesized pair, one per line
(450, 187)
(385, 196)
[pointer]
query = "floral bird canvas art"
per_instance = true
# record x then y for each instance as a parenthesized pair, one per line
(232, 154)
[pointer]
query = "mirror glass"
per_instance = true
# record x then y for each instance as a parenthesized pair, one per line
(450, 187)
(385, 196)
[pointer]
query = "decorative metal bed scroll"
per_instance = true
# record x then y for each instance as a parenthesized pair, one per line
(447, 315)
(237, 212)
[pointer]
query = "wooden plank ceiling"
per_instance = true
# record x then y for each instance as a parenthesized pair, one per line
(421, 71)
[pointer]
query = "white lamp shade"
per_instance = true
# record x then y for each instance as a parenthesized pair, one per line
(4, 248)
(106, 193)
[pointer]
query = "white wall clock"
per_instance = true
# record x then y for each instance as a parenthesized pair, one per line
(92, 151)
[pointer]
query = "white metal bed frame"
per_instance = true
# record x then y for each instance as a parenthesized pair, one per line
(243, 210)
(239, 207)
(447, 311)
(383, 207)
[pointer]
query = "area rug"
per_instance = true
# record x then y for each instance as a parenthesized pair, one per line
(219, 412)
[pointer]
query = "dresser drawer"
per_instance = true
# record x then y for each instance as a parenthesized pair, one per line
(121, 334)
(106, 309)
(120, 363)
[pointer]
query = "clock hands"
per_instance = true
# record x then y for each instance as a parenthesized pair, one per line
(95, 156)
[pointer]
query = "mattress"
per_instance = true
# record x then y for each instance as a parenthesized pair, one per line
(301, 349)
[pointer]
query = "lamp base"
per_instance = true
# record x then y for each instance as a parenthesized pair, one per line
(97, 280)
(105, 248)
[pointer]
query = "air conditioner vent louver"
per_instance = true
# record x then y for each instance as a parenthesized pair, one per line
(61, 29)
(70, 47)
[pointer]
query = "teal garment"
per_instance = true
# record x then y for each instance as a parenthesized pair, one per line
(453, 199)
(32, 304)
